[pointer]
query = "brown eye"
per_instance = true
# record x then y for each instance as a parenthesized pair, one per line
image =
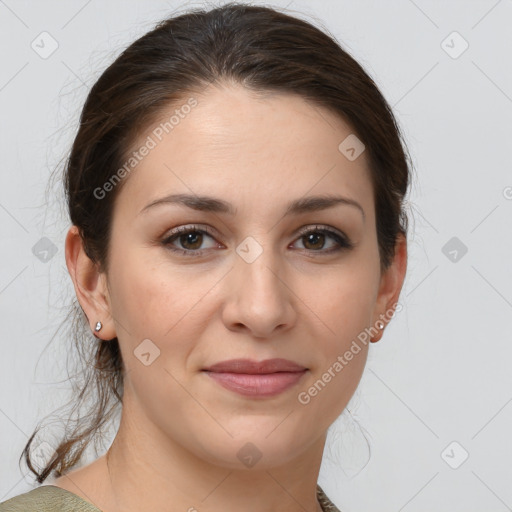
(194, 238)
(190, 240)
(314, 240)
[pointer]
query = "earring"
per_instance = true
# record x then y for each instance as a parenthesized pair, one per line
(98, 326)
(380, 325)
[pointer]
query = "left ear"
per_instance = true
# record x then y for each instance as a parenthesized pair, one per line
(390, 286)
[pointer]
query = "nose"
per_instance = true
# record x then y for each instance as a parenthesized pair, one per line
(258, 298)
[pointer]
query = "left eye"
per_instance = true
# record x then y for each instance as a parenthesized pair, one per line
(191, 239)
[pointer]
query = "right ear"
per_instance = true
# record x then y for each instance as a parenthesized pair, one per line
(90, 286)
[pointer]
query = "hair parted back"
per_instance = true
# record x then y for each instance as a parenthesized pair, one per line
(264, 50)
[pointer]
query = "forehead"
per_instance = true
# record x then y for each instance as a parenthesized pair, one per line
(244, 146)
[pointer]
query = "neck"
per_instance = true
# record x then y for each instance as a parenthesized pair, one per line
(149, 471)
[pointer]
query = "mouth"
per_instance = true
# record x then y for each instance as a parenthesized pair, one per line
(250, 366)
(257, 379)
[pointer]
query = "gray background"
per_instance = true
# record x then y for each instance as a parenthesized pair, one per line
(441, 373)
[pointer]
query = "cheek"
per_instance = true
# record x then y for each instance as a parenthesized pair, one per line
(340, 307)
(165, 304)
(144, 303)
(341, 301)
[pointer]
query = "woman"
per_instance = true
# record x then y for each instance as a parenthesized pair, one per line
(235, 190)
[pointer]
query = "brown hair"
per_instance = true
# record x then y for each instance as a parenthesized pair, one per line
(258, 47)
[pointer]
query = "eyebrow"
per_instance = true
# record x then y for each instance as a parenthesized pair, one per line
(212, 204)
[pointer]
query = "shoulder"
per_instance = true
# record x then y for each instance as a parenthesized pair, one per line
(47, 498)
(326, 504)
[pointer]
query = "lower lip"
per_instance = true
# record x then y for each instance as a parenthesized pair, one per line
(263, 385)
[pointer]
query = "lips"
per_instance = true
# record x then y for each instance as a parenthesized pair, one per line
(249, 366)
(256, 379)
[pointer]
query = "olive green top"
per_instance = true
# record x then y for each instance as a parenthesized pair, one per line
(50, 498)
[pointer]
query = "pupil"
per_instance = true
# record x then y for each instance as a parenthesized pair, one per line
(314, 236)
(189, 238)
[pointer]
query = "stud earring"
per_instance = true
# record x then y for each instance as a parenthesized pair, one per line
(380, 325)
(98, 326)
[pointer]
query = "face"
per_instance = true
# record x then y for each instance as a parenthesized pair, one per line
(245, 278)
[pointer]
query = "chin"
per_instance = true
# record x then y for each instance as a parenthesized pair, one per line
(270, 448)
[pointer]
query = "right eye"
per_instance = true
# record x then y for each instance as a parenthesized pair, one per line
(191, 236)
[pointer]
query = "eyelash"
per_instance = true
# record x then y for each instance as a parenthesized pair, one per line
(343, 242)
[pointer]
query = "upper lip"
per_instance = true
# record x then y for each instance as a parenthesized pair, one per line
(251, 366)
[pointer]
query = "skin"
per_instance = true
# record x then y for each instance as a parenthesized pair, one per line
(180, 431)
